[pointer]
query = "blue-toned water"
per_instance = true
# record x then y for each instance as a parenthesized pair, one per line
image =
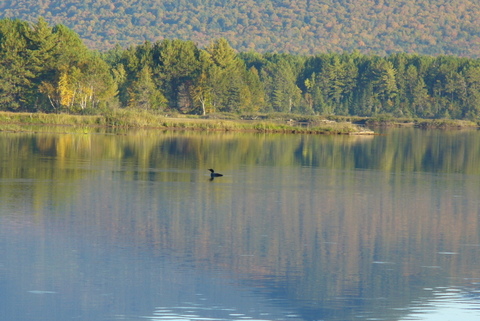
(131, 227)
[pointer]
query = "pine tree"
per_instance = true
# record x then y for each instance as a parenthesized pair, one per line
(15, 74)
(177, 65)
(143, 93)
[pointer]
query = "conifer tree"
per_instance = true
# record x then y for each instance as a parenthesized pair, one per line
(143, 92)
(177, 65)
(15, 74)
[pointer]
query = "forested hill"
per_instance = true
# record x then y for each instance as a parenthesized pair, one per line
(430, 27)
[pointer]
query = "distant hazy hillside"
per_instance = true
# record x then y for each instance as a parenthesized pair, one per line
(296, 26)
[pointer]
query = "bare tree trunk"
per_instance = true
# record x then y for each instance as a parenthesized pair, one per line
(52, 103)
(203, 107)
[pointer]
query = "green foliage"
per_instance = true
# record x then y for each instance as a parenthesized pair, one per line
(143, 93)
(15, 74)
(177, 65)
(49, 69)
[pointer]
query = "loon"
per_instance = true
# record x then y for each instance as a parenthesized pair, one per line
(213, 174)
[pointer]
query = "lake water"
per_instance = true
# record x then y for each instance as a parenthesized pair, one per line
(100, 226)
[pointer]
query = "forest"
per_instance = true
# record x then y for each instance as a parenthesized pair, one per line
(50, 69)
(430, 27)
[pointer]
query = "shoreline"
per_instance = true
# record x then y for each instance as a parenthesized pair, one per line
(124, 119)
(270, 123)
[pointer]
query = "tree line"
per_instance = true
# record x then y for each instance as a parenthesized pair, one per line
(50, 69)
(432, 27)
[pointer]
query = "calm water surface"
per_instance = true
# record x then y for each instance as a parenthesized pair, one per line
(130, 227)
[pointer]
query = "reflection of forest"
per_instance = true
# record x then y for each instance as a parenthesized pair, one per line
(400, 150)
(316, 231)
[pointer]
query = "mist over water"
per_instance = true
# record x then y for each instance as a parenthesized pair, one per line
(300, 227)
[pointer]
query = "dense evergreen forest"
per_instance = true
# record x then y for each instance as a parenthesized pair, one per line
(432, 27)
(50, 69)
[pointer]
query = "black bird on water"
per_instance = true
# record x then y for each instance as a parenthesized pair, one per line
(213, 174)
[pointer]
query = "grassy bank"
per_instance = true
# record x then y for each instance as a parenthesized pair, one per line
(50, 119)
(274, 123)
(124, 118)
